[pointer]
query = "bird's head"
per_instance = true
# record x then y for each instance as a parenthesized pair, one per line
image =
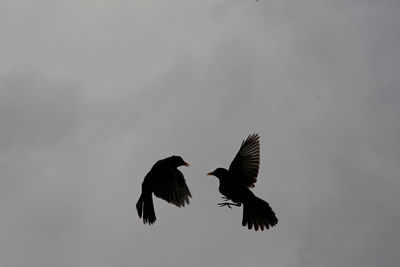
(219, 173)
(178, 161)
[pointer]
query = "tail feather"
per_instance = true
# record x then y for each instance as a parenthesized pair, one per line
(139, 206)
(259, 214)
(145, 208)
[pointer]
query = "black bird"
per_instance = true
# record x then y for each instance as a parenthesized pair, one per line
(166, 182)
(234, 184)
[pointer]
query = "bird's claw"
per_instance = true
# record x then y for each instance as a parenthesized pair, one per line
(228, 204)
(224, 204)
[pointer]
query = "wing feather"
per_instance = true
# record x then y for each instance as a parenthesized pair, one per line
(246, 163)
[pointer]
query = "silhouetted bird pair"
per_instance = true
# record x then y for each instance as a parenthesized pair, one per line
(168, 183)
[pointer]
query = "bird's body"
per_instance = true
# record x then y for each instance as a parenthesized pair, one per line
(236, 181)
(231, 188)
(166, 182)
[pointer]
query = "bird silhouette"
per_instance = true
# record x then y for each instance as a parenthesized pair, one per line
(235, 182)
(166, 182)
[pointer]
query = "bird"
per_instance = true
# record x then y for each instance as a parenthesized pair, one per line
(167, 183)
(235, 184)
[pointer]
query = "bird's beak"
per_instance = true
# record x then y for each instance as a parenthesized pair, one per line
(210, 173)
(186, 164)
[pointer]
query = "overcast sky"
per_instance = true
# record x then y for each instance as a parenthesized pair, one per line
(93, 93)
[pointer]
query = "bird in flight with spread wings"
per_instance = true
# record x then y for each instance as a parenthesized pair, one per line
(166, 182)
(235, 182)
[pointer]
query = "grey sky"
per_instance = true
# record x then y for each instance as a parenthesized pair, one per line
(92, 93)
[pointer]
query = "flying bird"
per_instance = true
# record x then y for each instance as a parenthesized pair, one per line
(235, 182)
(166, 182)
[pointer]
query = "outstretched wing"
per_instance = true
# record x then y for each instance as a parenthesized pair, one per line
(246, 163)
(171, 186)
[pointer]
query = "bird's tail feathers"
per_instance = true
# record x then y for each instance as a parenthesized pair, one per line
(259, 214)
(145, 208)
(139, 206)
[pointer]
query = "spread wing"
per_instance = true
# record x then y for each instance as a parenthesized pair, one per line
(171, 186)
(246, 163)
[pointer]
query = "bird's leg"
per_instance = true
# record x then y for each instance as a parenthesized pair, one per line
(229, 204)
